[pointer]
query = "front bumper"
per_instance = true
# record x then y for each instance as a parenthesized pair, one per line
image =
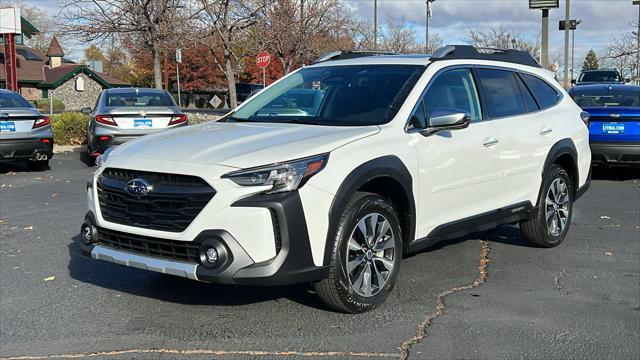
(607, 153)
(25, 149)
(293, 262)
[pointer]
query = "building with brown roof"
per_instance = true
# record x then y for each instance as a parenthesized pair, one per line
(44, 75)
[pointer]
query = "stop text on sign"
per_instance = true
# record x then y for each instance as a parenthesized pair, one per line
(263, 59)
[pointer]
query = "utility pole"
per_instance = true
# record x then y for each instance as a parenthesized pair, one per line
(566, 42)
(375, 24)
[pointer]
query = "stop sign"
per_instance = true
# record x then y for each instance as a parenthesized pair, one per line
(263, 59)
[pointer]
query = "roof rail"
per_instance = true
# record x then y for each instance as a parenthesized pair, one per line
(452, 52)
(344, 55)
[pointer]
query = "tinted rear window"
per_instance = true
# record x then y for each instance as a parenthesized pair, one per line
(502, 91)
(600, 76)
(605, 97)
(139, 98)
(12, 100)
(544, 93)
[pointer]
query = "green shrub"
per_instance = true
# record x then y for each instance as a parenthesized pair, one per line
(69, 128)
(43, 105)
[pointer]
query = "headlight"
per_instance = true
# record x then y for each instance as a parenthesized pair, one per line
(283, 177)
(101, 159)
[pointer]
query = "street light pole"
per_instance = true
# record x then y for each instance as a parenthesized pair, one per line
(566, 42)
(573, 46)
(426, 37)
(375, 24)
(637, 2)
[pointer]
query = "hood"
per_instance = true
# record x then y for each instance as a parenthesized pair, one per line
(242, 145)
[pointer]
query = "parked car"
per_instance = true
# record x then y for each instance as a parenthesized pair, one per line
(244, 90)
(614, 129)
(399, 152)
(25, 134)
(123, 114)
(608, 76)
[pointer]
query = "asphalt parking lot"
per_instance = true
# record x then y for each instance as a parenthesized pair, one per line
(580, 300)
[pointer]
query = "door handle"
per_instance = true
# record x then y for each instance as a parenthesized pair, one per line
(490, 141)
(546, 131)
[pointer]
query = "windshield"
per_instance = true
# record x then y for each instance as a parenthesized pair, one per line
(607, 98)
(139, 98)
(600, 76)
(334, 95)
(11, 100)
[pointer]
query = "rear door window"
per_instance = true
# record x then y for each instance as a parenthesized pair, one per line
(503, 94)
(544, 93)
(529, 101)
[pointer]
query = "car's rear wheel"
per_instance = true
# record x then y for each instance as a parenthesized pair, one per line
(366, 256)
(549, 226)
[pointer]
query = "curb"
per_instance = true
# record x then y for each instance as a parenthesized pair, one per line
(59, 149)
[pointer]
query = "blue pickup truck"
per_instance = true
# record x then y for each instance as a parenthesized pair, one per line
(614, 128)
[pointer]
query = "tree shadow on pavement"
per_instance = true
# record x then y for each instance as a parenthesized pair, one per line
(176, 289)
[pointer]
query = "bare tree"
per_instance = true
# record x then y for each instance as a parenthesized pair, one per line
(300, 30)
(225, 24)
(393, 36)
(621, 53)
(153, 24)
(501, 38)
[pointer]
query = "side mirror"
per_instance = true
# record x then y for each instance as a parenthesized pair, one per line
(86, 110)
(574, 82)
(447, 120)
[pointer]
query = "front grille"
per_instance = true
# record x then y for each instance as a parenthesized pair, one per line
(168, 249)
(173, 203)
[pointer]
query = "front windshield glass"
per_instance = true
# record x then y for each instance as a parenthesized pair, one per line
(11, 100)
(139, 98)
(334, 95)
(607, 98)
(600, 76)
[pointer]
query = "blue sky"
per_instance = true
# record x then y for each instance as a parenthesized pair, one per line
(452, 19)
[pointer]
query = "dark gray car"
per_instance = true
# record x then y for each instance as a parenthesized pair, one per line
(123, 114)
(25, 134)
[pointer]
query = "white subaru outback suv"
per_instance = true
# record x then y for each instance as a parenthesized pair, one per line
(336, 171)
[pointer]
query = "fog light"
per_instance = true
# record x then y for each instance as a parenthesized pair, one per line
(211, 255)
(87, 234)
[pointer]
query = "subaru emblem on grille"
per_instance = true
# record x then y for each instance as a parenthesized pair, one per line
(615, 116)
(142, 113)
(138, 187)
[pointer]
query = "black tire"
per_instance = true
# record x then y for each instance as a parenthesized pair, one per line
(536, 230)
(337, 291)
(38, 165)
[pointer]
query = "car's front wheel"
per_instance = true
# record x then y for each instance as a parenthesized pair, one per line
(366, 256)
(550, 224)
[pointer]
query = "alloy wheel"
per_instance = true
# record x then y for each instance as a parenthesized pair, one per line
(557, 207)
(370, 255)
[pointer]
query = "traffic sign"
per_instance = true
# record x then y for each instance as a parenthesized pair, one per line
(215, 101)
(263, 59)
(178, 55)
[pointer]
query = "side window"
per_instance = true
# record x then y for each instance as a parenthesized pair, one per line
(502, 91)
(529, 102)
(417, 120)
(544, 93)
(453, 91)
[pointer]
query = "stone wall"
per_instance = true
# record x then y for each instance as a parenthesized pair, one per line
(76, 100)
(30, 93)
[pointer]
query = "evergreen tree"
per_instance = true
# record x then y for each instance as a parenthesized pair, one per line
(590, 61)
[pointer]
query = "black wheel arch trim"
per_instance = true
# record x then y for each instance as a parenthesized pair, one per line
(386, 166)
(560, 148)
